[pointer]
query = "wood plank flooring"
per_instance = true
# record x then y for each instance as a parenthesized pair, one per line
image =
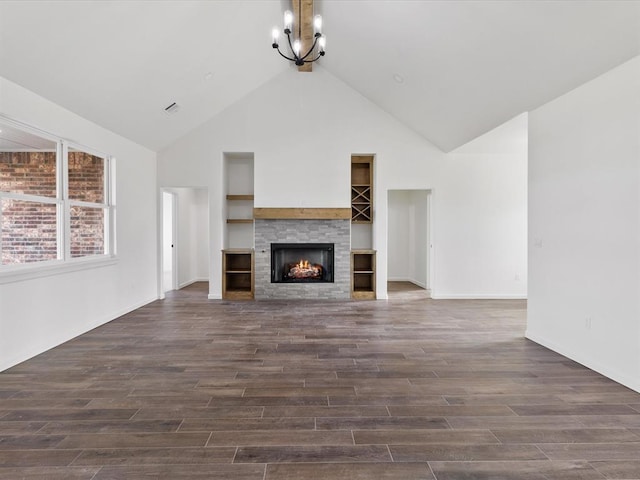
(188, 388)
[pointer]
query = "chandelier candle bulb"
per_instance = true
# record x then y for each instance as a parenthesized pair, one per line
(288, 21)
(296, 48)
(317, 25)
(322, 43)
(275, 33)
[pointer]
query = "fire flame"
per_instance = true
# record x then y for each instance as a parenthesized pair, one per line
(304, 269)
(304, 264)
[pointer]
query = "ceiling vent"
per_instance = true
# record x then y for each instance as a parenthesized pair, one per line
(173, 108)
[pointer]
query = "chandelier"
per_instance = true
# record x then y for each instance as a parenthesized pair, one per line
(295, 44)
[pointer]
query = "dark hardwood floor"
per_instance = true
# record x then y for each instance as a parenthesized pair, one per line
(188, 388)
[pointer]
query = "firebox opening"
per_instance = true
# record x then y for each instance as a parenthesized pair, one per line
(302, 262)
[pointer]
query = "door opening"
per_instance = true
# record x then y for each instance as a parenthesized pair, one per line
(409, 239)
(168, 242)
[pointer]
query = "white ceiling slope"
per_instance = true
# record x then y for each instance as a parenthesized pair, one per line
(120, 63)
(468, 66)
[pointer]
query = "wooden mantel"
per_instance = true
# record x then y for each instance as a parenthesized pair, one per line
(302, 213)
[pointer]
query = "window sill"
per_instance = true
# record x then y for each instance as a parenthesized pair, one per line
(46, 269)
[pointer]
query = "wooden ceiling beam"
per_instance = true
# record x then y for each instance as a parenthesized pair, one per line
(303, 25)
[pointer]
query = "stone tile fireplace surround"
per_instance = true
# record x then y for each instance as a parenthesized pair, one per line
(297, 230)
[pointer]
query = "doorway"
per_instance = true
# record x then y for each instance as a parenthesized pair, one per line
(168, 241)
(409, 240)
(184, 253)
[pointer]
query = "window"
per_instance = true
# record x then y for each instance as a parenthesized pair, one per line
(86, 174)
(55, 200)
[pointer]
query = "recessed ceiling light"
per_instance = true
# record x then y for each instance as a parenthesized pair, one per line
(398, 78)
(208, 76)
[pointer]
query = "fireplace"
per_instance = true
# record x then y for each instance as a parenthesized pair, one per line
(302, 262)
(271, 232)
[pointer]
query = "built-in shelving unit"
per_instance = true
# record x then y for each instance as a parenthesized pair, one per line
(361, 188)
(237, 274)
(240, 206)
(237, 256)
(363, 258)
(363, 274)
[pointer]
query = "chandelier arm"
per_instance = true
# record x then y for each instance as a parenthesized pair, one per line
(315, 41)
(284, 56)
(311, 61)
(295, 57)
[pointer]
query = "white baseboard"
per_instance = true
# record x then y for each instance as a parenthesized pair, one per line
(66, 335)
(192, 281)
(478, 296)
(124, 311)
(626, 380)
(214, 296)
(404, 279)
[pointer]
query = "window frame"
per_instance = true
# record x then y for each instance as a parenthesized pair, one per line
(64, 261)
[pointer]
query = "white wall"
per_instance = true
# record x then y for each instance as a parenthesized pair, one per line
(584, 224)
(485, 241)
(201, 213)
(38, 314)
(303, 128)
(361, 236)
(192, 235)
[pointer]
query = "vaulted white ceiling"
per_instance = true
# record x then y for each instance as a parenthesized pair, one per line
(466, 66)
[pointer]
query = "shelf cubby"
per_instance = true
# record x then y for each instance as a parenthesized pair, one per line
(237, 274)
(363, 274)
(361, 188)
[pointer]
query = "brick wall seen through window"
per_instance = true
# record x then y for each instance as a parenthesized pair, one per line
(29, 228)
(29, 232)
